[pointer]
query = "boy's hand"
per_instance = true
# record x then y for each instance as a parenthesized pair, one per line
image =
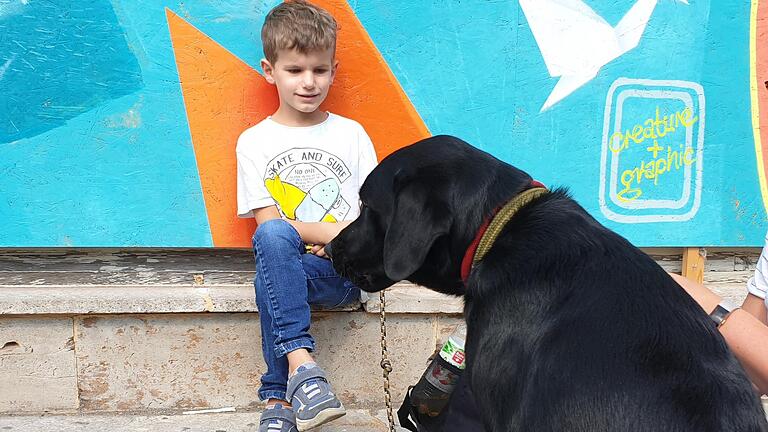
(318, 250)
(332, 229)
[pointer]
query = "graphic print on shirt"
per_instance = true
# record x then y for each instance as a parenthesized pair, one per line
(306, 185)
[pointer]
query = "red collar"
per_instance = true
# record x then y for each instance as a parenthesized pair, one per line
(466, 263)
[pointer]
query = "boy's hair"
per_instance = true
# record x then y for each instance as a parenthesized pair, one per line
(299, 25)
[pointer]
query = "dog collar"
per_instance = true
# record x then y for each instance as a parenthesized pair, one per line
(491, 227)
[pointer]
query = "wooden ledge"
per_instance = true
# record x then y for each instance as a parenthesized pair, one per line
(111, 281)
(121, 299)
(118, 299)
(117, 281)
(406, 297)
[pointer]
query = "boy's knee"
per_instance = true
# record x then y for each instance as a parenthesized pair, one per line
(275, 230)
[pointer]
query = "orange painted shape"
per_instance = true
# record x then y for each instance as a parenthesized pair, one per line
(223, 96)
(366, 90)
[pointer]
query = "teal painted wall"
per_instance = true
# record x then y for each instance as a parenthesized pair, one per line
(95, 148)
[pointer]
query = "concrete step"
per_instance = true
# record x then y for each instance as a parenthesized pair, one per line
(90, 331)
(135, 362)
(354, 421)
(85, 331)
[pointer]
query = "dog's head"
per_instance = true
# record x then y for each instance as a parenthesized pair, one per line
(420, 209)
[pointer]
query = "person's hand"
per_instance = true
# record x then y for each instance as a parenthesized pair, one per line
(330, 231)
(318, 234)
(318, 250)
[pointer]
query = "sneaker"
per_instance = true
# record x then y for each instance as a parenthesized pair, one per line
(313, 401)
(277, 419)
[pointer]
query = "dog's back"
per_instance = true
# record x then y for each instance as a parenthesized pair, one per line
(593, 335)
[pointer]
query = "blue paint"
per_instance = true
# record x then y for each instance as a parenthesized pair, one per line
(122, 174)
(235, 25)
(113, 164)
(59, 60)
(613, 11)
(474, 69)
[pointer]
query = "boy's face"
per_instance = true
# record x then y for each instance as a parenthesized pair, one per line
(302, 81)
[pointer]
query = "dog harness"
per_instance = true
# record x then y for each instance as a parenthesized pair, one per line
(491, 227)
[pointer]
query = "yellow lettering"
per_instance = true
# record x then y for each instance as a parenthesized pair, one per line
(616, 138)
(685, 119)
(687, 156)
(653, 128)
(648, 170)
(660, 125)
(637, 134)
(660, 168)
(649, 130)
(628, 194)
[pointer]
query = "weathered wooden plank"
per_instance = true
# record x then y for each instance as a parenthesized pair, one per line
(732, 286)
(238, 260)
(733, 277)
(116, 299)
(146, 281)
(726, 261)
(694, 261)
(132, 278)
(718, 259)
(138, 260)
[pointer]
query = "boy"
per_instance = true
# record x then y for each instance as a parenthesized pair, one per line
(298, 174)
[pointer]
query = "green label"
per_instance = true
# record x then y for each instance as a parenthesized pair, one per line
(453, 354)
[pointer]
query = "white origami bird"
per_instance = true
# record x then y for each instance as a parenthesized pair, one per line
(576, 42)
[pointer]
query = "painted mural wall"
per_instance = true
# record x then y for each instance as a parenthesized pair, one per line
(118, 119)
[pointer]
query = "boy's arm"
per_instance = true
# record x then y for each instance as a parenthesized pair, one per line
(319, 233)
(265, 213)
(315, 233)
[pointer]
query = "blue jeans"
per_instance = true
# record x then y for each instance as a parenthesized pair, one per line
(287, 281)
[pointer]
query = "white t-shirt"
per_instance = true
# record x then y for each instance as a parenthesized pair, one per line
(758, 284)
(312, 173)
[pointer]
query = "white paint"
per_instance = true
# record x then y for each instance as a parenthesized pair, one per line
(210, 411)
(11, 7)
(6, 65)
(654, 89)
(614, 179)
(576, 42)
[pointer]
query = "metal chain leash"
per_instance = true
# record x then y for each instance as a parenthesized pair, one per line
(385, 363)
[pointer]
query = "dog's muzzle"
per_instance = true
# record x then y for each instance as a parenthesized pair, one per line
(329, 251)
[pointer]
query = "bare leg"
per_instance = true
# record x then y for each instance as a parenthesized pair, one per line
(298, 358)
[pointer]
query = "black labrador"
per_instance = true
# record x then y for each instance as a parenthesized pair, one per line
(569, 326)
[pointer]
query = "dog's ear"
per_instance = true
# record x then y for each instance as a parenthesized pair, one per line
(418, 219)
